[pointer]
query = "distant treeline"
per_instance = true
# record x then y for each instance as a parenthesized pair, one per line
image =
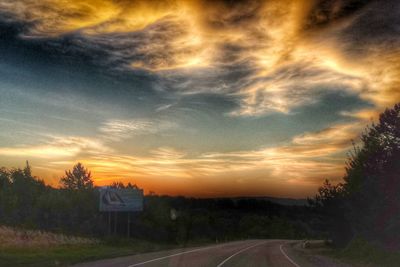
(366, 205)
(26, 201)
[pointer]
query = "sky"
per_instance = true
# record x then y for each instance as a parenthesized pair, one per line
(196, 98)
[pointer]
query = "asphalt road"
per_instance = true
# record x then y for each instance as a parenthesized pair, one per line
(241, 253)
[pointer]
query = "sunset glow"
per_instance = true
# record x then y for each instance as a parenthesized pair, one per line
(198, 98)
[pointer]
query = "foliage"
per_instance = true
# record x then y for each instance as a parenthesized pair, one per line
(364, 253)
(79, 178)
(373, 182)
(73, 209)
(330, 203)
(19, 193)
(369, 197)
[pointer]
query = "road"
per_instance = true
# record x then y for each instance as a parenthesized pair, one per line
(240, 253)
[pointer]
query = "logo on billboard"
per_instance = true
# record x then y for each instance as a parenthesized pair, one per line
(113, 199)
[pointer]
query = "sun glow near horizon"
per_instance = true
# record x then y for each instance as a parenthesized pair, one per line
(198, 98)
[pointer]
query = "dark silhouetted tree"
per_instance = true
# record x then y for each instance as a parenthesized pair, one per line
(120, 185)
(370, 194)
(330, 203)
(25, 201)
(372, 181)
(27, 170)
(77, 179)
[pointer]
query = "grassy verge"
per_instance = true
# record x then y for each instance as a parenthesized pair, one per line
(362, 253)
(23, 247)
(65, 255)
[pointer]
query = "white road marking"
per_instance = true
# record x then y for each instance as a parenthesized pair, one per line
(223, 262)
(287, 257)
(240, 251)
(176, 254)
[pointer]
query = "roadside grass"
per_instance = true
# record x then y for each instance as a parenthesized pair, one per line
(33, 248)
(24, 238)
(361, 252)
(65, 255)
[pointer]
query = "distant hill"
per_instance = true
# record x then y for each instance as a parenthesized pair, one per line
(281, 201)
(288, 201)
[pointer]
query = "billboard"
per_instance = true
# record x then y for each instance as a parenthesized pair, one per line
(113, 199)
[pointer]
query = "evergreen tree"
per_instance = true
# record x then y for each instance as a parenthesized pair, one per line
(77, 179)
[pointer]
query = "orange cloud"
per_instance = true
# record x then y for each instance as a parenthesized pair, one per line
(301, 163)
(57, 147)
(290, 53)
(289, 50)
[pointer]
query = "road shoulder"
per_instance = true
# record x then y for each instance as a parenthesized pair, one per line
(313, 256)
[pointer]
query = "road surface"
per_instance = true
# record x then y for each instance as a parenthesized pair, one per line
(240, 253)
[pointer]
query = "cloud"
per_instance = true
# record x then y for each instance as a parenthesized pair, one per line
(122, 129)
(305, 160)
(45, 151)
(272, 55)
(327, 141)
(52, 17)
(302, 162)
(291, 86)
(167, 153)
(266, 56)
(58, 147)
(119, 129)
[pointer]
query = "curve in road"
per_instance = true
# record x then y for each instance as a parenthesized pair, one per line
(240, 253)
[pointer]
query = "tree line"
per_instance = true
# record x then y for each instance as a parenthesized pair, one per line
(26, 201)
(366, 205)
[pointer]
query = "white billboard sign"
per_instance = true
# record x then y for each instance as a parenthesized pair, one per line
(113, 199)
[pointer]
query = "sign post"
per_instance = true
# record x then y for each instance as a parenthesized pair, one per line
(115, 222)
(129, 225)
(120, 200)
(109, 223)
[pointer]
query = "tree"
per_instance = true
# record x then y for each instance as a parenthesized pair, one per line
(121, 185)
(4, 178)
(369, 197)
(372, 181)
(330, 203)
(27, 170)
(77, 179)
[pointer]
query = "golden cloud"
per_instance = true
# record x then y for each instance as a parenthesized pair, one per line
(288, 50)
(58, 147)
(273, 38)
(301, 163)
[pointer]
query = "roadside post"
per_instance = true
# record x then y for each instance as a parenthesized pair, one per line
(115, 222)
(109, 222)
(120, 200)
(129, 225)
